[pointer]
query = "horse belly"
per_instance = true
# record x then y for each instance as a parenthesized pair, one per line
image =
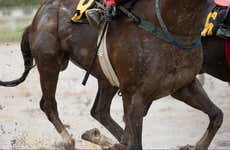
(180, 73)
(149, 65)
(161, 73)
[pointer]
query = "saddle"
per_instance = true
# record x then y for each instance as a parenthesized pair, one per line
(218, 20)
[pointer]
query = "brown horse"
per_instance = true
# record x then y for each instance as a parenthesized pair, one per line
(147, 68)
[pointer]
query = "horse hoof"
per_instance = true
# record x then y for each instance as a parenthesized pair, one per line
(94, 136)
(116, 147)
(70, 145)
(187, 147)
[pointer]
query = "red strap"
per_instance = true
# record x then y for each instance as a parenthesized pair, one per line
(110, 2)
(222, 3)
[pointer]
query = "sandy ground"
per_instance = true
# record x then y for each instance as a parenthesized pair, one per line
(24, 126)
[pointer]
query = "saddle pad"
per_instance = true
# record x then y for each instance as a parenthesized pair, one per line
(227, 51)
(104, 60)
(222, 3)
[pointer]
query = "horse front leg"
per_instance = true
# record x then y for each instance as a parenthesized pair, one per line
(101, 112)
(101, 109)
(49, 68)
(195, 96)
(135, 111)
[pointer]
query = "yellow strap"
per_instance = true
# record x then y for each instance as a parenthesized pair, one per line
(82, 6)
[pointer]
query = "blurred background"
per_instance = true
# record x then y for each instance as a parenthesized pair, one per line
(15, 15)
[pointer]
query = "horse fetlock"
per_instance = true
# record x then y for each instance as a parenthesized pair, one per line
(69, 145)
(68, 141)
(117, 147)
(124, 140)
(188, 147)
(135, 147)
(199, 147)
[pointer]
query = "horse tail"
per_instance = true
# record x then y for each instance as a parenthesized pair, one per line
(28, 60)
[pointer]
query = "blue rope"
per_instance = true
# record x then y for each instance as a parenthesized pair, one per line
(186, 47)
(169, 36)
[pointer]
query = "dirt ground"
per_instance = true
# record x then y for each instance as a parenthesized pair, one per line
(23, 125)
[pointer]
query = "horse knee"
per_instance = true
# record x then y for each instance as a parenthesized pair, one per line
(42, 104)
(93, 112)
(99, 115)
(96, 115)
(217, 118)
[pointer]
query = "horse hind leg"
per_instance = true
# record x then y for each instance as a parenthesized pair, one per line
(195, 96)
(49, 67)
